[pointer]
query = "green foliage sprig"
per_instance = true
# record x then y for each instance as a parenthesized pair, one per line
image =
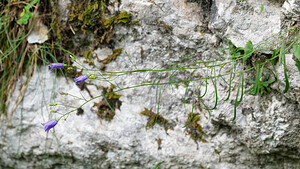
(160, 163)
(296, 52)
(26, 14)
(260, 86)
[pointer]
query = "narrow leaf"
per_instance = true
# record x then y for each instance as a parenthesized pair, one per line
(282, 52)
(248, 50)
(160, 163)
(296, 50)
(298, 64)
(287, 84)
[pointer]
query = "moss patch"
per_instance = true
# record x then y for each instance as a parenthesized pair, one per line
(113, 56)
(94, 16)
(106, 107)
(194, 129)
(155, 118)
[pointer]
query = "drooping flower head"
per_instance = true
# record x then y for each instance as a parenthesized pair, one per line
(81, 78)
(56, 65)
(49, 125)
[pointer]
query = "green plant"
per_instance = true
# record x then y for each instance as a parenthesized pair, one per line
(296, 52)
(87, 17)
(17, 58)
(26, 14)
(260, 86)
(261, 8)
(157, 165)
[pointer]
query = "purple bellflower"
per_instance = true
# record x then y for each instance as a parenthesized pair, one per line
(56, 65)
(49, 125)
(81, 78)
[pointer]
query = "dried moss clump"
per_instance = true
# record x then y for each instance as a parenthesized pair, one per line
(194, 129)
(163, 27)
(113, 56)
(155, 118)
(106, 108)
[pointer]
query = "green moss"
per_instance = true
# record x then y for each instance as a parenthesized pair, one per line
(90, 16)
(194, 129)
(58, 34)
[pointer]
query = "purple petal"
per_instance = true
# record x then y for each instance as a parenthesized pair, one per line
(50, 124)
(81, 78)
(56, 65)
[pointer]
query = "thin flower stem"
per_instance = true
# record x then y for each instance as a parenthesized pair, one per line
(151, 84)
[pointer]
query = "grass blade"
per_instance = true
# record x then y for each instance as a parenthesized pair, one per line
(287, 84)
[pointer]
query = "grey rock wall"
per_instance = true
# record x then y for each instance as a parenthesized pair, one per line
(264, 135)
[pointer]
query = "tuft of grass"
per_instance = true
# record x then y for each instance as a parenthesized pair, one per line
(17, 57)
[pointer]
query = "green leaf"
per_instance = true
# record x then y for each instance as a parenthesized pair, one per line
(296, 50)
(125, 20)
(88, 54)
(124, 15)
(298, 64)
(248, 50)
(30, 15)
(287, 84)
(261, 8)
(27, 7)
(34, 1)
(20, 21)
(23, 13)
(254, 90)
(26, 17)
(275, 53)
(158, 165)
(25, 21)
(282, 52)
(108, 22)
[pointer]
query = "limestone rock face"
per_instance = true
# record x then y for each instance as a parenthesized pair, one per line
(38, 34)
(241, 21)
(172, 33)
(291, 9)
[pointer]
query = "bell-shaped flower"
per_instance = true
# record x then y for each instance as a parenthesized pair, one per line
(56, 65)
(49, 125)
(81, 78)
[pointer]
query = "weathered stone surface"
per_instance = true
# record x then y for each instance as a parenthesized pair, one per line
(63, 10)
(39, 33)
(291, 9)
(241, 21)
(264, 135)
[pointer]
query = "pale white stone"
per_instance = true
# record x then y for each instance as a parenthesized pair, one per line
(39, 33)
